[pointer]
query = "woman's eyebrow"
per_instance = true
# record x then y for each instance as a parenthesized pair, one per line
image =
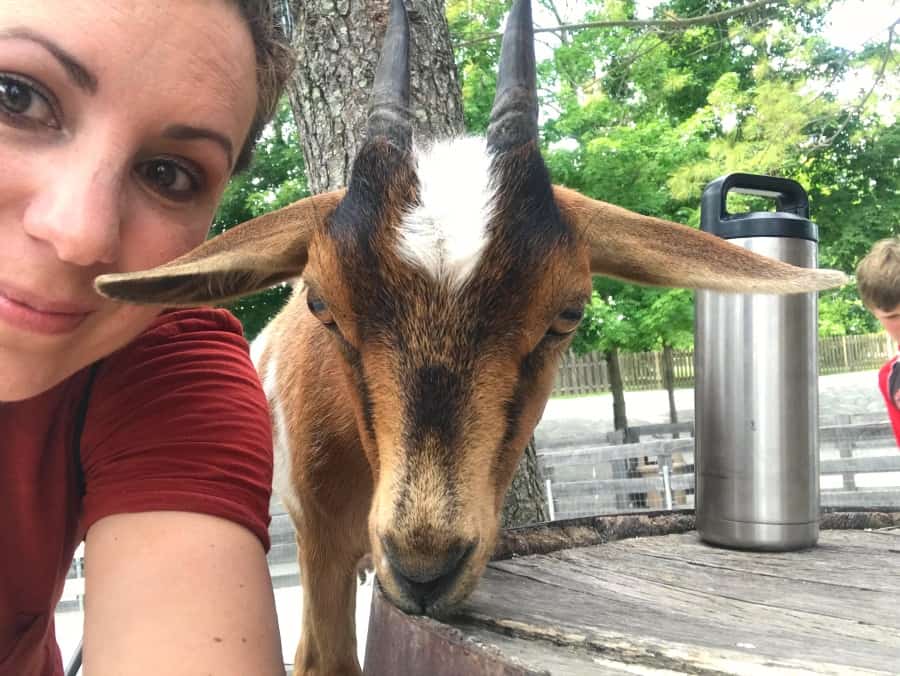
(184, 132)
(78, 73)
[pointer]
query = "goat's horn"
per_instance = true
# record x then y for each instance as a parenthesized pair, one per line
(389, 116)
(514, 116)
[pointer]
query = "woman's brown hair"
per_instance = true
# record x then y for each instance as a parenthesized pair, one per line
(274, 64)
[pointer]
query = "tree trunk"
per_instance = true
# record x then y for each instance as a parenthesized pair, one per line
(620, 421)
(337, 45)
(669, 382)
(525, 501)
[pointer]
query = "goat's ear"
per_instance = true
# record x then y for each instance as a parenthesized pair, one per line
(648, 250)
(247, 258)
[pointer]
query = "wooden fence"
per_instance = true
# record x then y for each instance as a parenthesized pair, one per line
(588, 374)
(859, 468)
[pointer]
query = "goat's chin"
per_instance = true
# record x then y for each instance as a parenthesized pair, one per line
(443, 603)
(449, 602)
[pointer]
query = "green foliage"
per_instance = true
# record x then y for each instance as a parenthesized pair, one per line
(274, 179)
(649, 117)
(633, 318)
(645, 118)
(842, 313)
(476, 60)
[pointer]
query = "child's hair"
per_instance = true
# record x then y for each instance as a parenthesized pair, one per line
(878, 275)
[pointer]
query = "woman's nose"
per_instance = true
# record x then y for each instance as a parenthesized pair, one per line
(79, 213)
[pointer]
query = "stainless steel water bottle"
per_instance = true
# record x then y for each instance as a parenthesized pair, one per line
(756, 382)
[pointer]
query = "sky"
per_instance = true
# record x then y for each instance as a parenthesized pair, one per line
(853, 22)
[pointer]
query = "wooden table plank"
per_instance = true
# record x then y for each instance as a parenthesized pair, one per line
(741, 606)
(840, 559)
(434, 649)
(849, 602)
(629, 654)
(641, 594)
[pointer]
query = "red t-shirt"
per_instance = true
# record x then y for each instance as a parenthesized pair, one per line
(889, 383)
(176, 420)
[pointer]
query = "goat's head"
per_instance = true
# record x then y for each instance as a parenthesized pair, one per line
(451, 278)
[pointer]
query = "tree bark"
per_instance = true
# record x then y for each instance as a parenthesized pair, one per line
(337, 44)
(669, 381)
(620, 420)
(525, 501)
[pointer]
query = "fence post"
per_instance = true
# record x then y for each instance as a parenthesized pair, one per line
(548, 486)
(845, 447)
(665, 463)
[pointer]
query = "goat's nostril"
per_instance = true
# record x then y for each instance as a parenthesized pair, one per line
(425, 576)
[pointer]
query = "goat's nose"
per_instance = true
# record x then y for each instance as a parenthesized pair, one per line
(426, 576)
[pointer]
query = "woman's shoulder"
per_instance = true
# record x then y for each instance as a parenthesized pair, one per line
(178, 421)
(191, 321)
(200, 348)
(180, 335)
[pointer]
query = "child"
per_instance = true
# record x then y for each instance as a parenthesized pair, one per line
(878, 280)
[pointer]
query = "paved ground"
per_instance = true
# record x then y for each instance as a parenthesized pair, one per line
(844, 393)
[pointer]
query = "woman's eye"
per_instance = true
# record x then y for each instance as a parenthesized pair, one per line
(565, 323)
(24, 104)
(171, 179)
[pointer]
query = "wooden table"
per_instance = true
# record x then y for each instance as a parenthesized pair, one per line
(645, 596)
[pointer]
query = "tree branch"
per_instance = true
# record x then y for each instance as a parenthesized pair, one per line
(563, 35)
(674, 23)
(858, 107)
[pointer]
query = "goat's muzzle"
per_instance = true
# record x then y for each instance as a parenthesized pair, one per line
(426, 582)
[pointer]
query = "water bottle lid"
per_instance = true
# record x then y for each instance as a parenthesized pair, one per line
(790, 220)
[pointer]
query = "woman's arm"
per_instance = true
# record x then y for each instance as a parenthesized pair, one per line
(177, 593)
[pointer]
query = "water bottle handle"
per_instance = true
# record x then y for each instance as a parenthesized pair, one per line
(789, 196)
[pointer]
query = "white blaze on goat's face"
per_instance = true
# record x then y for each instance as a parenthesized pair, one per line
(447, 231)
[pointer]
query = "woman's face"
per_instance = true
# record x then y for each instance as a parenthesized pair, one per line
(119, 125)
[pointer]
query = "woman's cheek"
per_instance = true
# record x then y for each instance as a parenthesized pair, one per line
(156, 242)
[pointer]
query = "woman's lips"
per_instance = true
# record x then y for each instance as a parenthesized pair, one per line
(32, 313)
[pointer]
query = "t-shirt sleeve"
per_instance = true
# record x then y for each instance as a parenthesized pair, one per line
(889, 384)
(178, 421)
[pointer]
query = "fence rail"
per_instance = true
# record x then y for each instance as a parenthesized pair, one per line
(611, 476)
(589, 373)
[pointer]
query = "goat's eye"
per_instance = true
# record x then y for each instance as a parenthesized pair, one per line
(318, 307)
(565, 323)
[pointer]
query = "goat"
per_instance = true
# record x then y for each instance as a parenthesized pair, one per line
(411, 365)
